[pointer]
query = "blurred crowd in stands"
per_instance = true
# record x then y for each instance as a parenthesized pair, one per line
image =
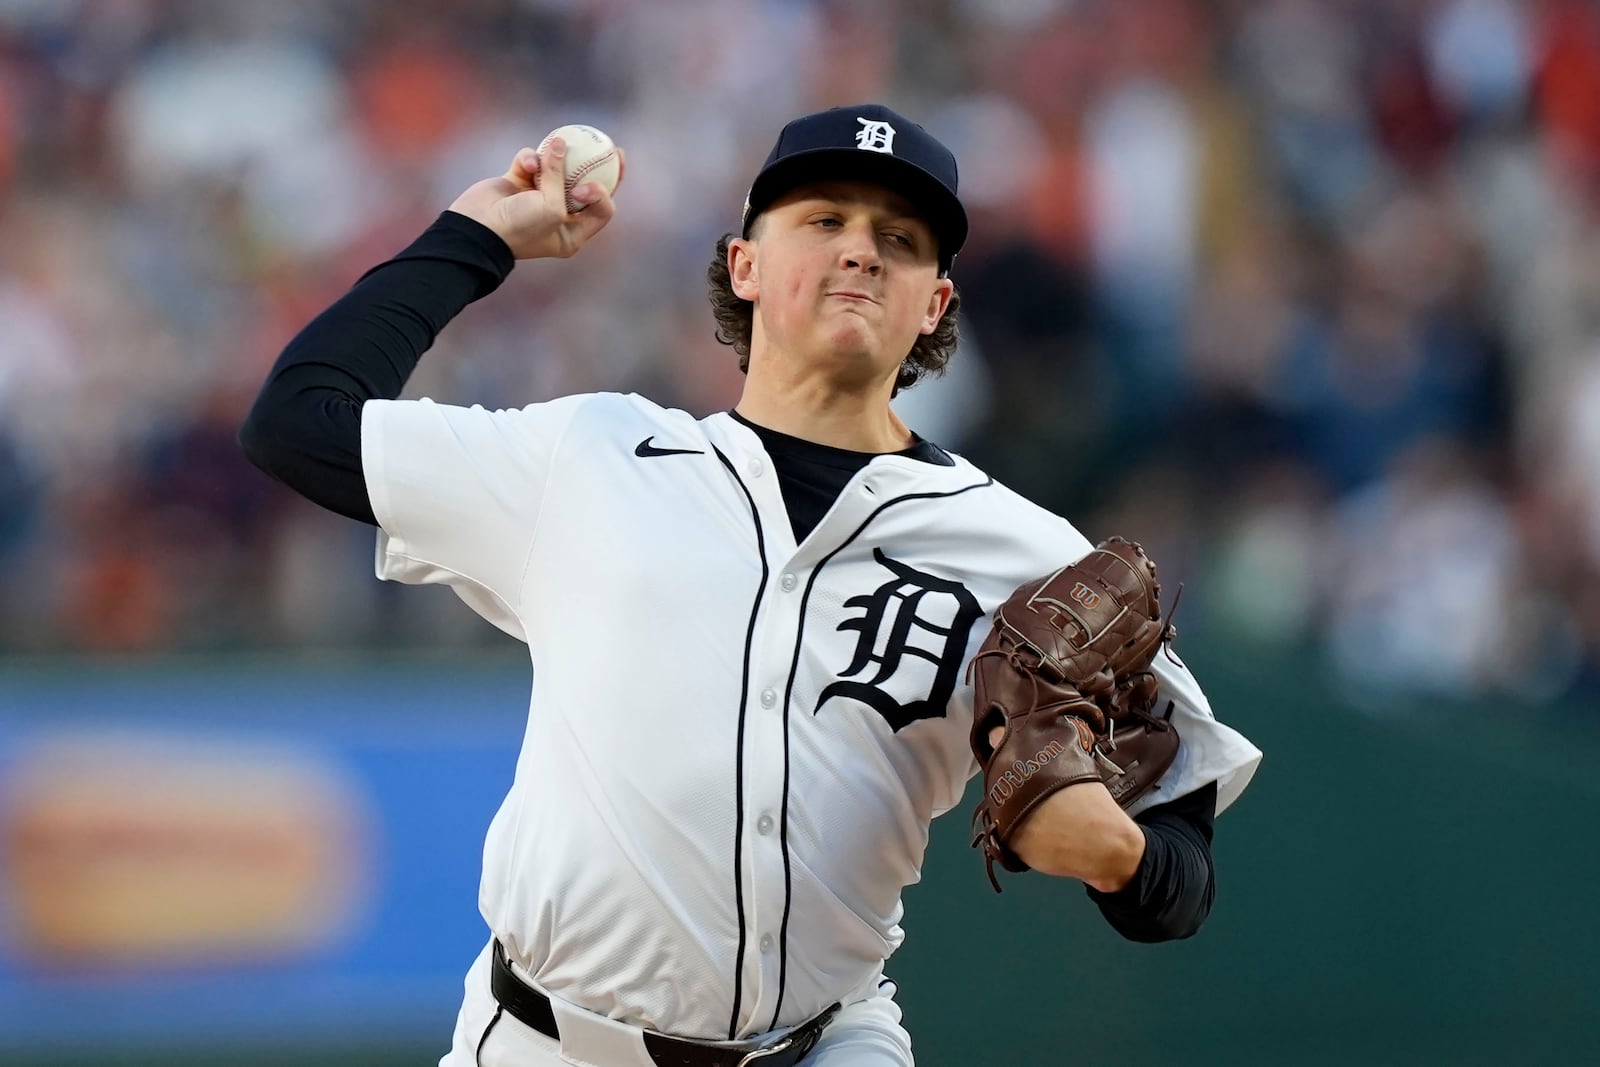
(1303, 294)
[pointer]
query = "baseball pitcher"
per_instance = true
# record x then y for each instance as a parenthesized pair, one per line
(769, 645)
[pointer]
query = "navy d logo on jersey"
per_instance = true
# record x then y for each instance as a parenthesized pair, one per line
(916, 616)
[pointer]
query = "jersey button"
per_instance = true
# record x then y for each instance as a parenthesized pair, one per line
(787, 582)
(755, 468)
(768, 698)
(766, 942)
(764, 825)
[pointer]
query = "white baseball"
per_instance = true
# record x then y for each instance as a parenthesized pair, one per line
(591, 157)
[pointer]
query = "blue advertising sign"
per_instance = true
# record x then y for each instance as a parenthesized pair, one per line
(246, 851)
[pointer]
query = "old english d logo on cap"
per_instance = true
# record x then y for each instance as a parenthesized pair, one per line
(875, 136)
(870, 143)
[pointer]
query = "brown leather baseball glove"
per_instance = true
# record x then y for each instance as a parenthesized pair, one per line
(1066, 671)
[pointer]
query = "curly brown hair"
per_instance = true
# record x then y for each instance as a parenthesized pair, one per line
(736, 318)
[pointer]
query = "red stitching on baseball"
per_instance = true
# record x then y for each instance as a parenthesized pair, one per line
(577, 176)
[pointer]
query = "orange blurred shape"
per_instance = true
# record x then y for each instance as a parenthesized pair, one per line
(134, 850)
(117, 601)
(411, 98)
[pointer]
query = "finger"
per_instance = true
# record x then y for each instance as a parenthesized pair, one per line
(553, 175)
(524, 169)
(598, 209)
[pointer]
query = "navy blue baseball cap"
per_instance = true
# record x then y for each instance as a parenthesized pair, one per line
(870, 143)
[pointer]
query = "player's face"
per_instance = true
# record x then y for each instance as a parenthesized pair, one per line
(845, 277)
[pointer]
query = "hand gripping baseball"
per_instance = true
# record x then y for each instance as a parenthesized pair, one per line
(527, 205)
(1065, 672)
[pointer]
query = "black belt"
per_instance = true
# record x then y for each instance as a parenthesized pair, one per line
(531, 1007)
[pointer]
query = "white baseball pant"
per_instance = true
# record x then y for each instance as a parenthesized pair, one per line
(865, 1033)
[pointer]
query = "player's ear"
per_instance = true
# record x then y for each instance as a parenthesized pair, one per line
(938, 302)
(742, 269)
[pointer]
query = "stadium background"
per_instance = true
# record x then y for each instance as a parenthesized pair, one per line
(1319, 282)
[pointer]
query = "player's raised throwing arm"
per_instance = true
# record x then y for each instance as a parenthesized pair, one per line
(305, 427)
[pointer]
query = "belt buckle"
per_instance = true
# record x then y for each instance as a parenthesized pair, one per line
(763, 1053)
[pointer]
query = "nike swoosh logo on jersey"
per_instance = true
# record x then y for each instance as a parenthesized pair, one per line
(645, 449)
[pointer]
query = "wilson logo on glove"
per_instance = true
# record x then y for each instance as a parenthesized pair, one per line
(1085, 596)
(1020, 771)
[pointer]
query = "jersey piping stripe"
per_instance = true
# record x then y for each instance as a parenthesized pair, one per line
(788, 694)
(738, 761)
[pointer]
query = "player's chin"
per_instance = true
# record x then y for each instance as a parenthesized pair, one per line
(871, 349)
(857, 352)
(858, 329)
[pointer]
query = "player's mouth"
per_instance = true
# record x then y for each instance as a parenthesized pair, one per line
(852, 294)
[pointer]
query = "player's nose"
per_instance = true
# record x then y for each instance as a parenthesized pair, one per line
(858, 249)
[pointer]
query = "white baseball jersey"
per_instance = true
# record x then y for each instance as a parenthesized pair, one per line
(735, 743)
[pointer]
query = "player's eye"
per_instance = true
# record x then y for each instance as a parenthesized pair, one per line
(902, 239)
(828, 222)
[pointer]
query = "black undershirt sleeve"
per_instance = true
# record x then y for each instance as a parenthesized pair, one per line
(305, 426)
(1171, 892)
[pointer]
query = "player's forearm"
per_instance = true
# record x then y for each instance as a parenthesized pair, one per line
(1080, 832)
(1170, 895)
(305, 426)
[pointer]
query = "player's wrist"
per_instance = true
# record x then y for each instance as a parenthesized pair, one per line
(465, 230)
